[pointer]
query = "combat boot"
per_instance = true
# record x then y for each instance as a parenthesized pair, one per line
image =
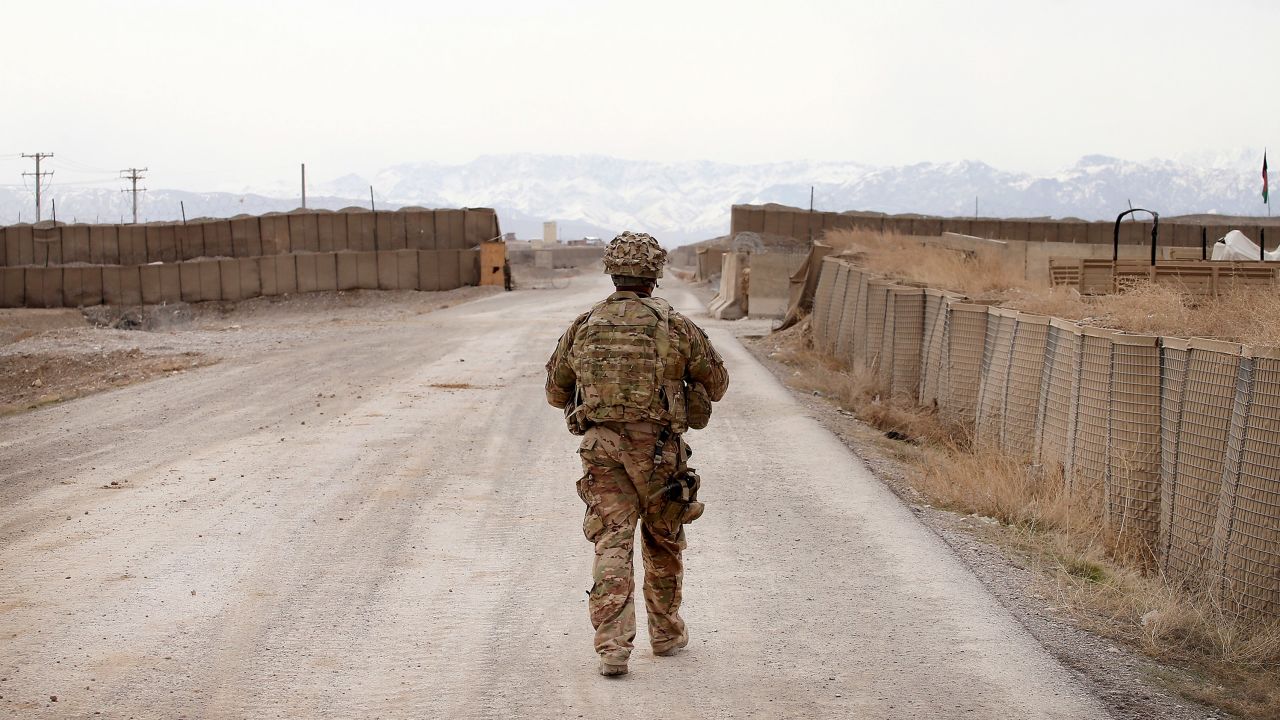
(610, 670)
(671, 648)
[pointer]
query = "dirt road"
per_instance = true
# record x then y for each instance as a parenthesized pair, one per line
(380, 521)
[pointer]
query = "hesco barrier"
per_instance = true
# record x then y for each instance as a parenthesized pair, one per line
(55, 265)
(803, 224)
(1178, 441)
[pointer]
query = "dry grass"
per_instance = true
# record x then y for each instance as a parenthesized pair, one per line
(1106, 583)
(1246, 314)
(978, 275)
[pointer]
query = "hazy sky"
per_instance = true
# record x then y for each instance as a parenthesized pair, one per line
(222, 95)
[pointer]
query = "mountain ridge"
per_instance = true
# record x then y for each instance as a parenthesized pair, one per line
(681, 202)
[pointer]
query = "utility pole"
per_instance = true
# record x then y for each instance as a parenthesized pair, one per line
(134, 175)
(39, 176)
(304, 186)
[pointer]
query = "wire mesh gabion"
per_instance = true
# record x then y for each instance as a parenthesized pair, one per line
(1208, 400)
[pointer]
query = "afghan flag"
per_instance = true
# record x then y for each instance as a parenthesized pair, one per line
(1265, 198)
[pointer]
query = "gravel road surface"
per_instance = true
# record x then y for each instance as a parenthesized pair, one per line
(378, 521)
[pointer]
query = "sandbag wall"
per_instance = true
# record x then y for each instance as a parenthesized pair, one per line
(803, 224)
(55, 265)
(1177, 440)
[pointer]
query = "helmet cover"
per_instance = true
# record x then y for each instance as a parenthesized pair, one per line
(634, 255)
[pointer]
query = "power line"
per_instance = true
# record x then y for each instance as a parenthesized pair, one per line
(134, 175)
(38, 175)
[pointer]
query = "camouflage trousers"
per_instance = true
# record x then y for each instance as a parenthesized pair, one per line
(621, 490)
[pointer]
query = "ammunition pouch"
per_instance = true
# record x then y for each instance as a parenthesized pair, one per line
(680, 498)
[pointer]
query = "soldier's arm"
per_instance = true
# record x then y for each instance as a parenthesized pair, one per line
(705, 364)
(560, 376)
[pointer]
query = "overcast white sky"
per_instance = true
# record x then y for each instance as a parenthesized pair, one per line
(231, 94)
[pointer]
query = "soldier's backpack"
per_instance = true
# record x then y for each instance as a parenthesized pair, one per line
(624, 362)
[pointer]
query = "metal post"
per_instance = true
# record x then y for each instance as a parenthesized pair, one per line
(304, 186)
(1262, 244)
(811, 215)
(1204, 243)
(183, 207)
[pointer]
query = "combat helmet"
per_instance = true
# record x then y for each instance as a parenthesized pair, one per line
(634, 255)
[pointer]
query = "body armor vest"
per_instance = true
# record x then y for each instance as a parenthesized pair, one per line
(626, 365)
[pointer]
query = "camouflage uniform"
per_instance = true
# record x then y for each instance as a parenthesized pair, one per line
(620, 485)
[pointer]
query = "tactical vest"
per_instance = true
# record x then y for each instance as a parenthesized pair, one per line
(627, 367)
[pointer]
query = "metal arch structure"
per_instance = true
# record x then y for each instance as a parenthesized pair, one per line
(1155, 233)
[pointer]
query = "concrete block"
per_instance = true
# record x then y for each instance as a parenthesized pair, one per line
(367, 270)
(360, 229)
(130, 285)
(274, 230)
(449, 263)
(286, 274)
(390, 230)
(246, 237)
(190, 239)
(331, 232)
(250, 278)
(13, 287)
(450, 230)
(210, 280)
(406, 269)
(428, 269)
(420, 230)
(151, 291)
(387, 278)
(229, 277)
(75, 244)
(48, 245)
(348, 275)
(326, 271)
(469, 267)
(306, 268)
(189, 281)
(104, 245)
(162, 244)
(770, 291)
(304, 232)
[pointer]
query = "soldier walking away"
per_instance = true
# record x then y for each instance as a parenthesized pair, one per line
(632, 375)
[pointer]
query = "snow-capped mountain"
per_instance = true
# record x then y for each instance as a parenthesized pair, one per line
(688, 201)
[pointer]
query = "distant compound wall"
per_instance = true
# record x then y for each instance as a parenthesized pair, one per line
(796, 223)
(1176, 439)
(56, 265)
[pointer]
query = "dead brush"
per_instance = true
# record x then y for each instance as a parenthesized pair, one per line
(1104, 575)
(976, 274)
